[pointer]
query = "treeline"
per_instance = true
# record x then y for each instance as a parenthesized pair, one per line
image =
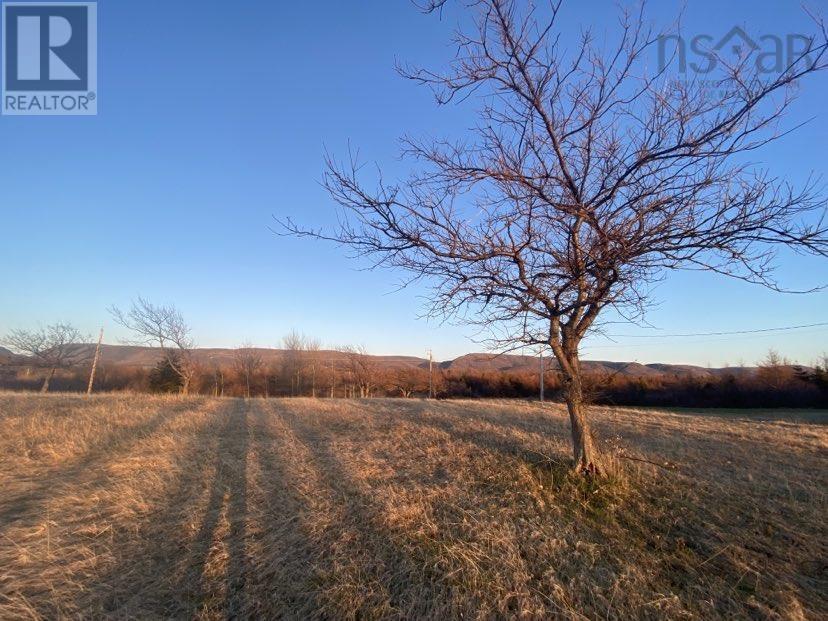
(352, 373)
(50, 358)
(771, 385)
(348, 372)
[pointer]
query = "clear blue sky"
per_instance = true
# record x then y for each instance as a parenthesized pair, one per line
(213, 117)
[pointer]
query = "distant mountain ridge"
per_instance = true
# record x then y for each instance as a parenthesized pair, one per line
(518, 363)
(145, 357)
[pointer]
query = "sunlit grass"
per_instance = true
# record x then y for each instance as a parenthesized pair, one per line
(139, 506)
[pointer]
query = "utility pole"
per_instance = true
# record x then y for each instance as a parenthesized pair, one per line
(333, 377)
(430, 376)
(541, 376)
(95, 364)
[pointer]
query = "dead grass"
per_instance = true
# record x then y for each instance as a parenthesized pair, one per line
(146, 507)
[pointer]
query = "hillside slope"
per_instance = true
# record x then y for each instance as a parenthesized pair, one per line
(476, 362)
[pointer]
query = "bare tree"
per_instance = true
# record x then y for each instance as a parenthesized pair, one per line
(218, 379)
(58, 346)
(293, 362)
(163, 327)
(408, 381)
(775, 371)
(300, 361)
(247, 361)
(361, 368)
(312, 360)
(586, 178)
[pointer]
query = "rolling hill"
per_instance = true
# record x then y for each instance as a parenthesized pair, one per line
(145, 357)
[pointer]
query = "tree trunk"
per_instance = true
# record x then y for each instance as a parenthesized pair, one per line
(586, 458)
(584, 453)
(46, 380)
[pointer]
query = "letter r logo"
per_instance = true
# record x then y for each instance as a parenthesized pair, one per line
(29, 50)
(46, 47)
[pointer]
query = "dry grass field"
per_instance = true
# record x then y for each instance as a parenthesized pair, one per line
(146, 507)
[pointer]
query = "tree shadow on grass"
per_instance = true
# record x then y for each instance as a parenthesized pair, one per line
(375, 575)
(706, 542)
(447, 569)
(287, 570)
(159, 573)
(228, 499)
(500, 439)
(706, 539)
(85, 469)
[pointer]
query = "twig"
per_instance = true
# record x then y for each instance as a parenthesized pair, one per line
(710, 558)
(666, 465)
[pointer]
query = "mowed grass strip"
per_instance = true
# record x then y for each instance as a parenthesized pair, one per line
(134, 506)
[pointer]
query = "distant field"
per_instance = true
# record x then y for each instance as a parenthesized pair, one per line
(147, 507)
(792, 415)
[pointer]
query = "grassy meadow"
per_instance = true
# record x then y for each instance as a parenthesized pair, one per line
(134, 506)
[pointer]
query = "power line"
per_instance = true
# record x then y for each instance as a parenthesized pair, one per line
(697, 341)
(661, 336)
